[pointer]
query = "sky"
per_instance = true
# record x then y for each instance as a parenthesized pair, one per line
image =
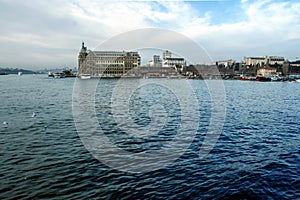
(39, 34)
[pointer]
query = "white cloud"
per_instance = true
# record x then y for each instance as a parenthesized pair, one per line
(269, 27)
(268, 24)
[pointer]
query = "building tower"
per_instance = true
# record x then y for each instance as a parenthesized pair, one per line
(167, 54)
(81, 57)
(156, 60)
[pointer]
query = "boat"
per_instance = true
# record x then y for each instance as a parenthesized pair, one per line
(247, 78)
(20, 73)
(276, 78)
(50, 74)
(262, 78)
(85, 76)
(69, 74)
(244, 78)
(59, 75)
(297, 80)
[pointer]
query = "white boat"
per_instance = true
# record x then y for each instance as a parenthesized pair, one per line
(20, 73)
(85, 76)
(59, 75)
(50, 74)
(297, 80)
(276, 78)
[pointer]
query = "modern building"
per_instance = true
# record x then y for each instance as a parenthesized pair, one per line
(169, 61)
(264, 60)
(107, 63)
(156, 62)
(156, 59)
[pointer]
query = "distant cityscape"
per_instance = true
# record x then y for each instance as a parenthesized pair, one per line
(113, 64)
(110, 64)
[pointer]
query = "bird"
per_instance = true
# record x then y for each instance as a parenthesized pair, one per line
(33, 114)
(5, 123)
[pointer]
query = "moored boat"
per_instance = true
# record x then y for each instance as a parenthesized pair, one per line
(243, 78)
(59, 75)
(262, 78)
(276, 78)
(50, 74)
(247, 78)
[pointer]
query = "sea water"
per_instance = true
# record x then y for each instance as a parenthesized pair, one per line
(43, 154)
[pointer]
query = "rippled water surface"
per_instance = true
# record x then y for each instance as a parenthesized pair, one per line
(257, 155)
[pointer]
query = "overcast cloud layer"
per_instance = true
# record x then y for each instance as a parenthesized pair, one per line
(48, 34)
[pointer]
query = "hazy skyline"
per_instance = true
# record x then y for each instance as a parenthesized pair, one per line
(48, 34)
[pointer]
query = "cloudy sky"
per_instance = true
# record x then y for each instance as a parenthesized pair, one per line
(38, 34)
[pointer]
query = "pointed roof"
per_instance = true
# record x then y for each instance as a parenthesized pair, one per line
(83, 48)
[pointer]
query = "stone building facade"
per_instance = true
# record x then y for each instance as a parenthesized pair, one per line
(107, 63)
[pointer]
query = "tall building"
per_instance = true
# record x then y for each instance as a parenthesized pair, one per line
(156, 62)
(156, 59)
(107, 63)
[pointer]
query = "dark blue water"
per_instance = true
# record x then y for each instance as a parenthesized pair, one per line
(257, 155)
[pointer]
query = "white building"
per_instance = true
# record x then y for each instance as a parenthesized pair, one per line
(264, 60)
(167, 54)
(169, 61)
(226, 63)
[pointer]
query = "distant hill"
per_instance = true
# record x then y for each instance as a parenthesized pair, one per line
(15, 71)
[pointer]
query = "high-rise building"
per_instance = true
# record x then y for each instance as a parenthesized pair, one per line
(156, 62)
(156, 59)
